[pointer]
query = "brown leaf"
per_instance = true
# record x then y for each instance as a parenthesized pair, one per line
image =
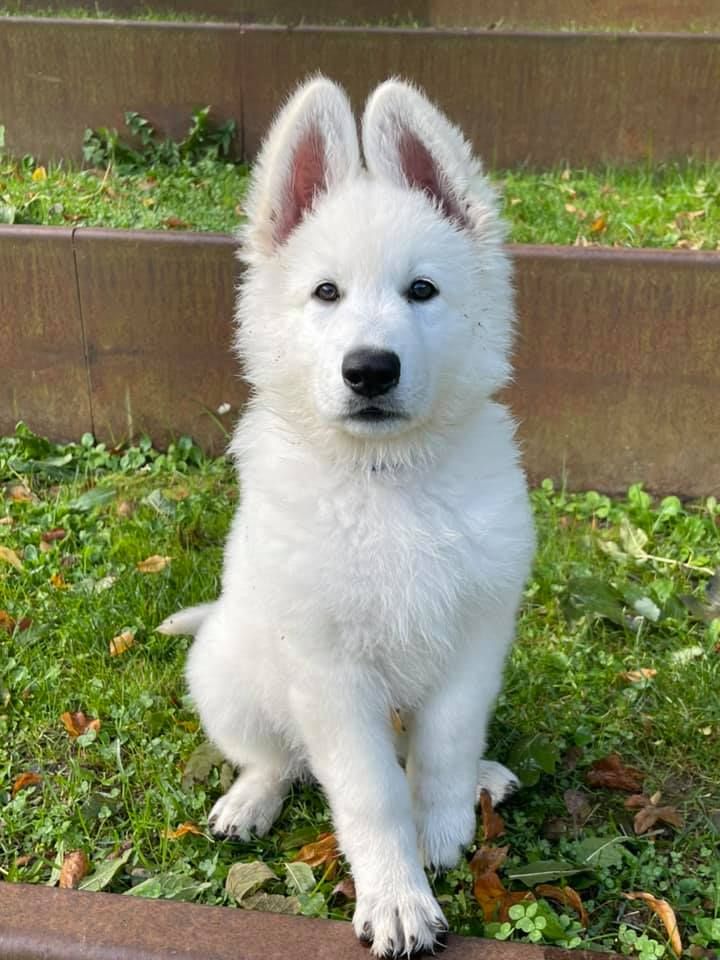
(25, 780)
(493, 823)
(487, 885)
(182, 831)
(122, 642)
(565, 895)
(611, 773)
(7, 623)
(153, 564)
(19, 493)
(75, 866)
(78, 723)
(9, 556)
(637, 676)
(323, 851)
(125, 508)
(175, 223)
(50, 536)
(648, 816)
(346, 889)
(577, 804)
(637, 801)
(599, 224)
(665, 912)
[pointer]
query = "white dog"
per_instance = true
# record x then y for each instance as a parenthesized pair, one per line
(378, 557)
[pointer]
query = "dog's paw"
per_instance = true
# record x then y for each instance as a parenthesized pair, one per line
(249, 808)
(497, 780)
(405, 924)
(445, 828)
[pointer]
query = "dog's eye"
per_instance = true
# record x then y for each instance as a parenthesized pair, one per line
(326, 291)
(421, 290)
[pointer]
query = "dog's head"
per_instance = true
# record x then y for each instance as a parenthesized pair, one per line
(377, 304)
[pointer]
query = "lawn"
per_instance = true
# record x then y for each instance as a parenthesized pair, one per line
(618, 654)
(191, 185)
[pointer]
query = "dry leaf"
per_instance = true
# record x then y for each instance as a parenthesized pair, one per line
(25, 780)
(611, 773)
(182, 830)
(75, 866)
(175, 223)
(493, 823)
(666, 913)
(637, 801)
(6, 521)
(50, 536)
(39, 173)
(19, 493)
(58, 581)
(571, 208)
(125, 508)
(122, 642)
(637, 676)
(577, 804)
(9, 556)
(78, 723)
(646, 818)
(346, 889)
(487, 885)
(565, 895)
(323, 851)
(7, 622)
(153, 564)
(598, 224)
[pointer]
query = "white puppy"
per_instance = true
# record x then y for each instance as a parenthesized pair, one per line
(378, 556)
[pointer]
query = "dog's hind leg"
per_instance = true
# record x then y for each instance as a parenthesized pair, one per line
(237, 720)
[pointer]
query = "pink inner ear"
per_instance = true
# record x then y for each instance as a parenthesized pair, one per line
(307, 178)
(421, 171)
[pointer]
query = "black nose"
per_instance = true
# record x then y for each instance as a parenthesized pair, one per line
(371, 372)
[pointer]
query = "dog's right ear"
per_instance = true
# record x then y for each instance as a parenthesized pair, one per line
(312, 146)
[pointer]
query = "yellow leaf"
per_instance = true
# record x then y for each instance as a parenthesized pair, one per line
(323, 851)
(182, 830)
(598, 224)
(662, 909)
(153, 564)
(39, 173)
(58, 581)
(122, 642)
(9, 556)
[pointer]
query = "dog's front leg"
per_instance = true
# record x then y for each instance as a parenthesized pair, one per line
(351, 751)
(446, 743)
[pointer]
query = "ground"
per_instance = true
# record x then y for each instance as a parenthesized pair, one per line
(618, 654)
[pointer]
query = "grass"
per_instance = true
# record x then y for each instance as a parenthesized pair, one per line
(670, 206)
(605, 598)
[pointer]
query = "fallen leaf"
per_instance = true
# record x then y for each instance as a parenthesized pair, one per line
(75, 866)
(611, 773)
(665, 912)
(50, 536)
(7, 623)
(272, 903)
(19, 493)
(571, 208)
(565, 895)
(78, 723)
(125, 508)
(122, 642)
(598, 225)
(346, 889)
(57, 580)
(493, 823)
(153, 564)
(25, 780)
(39, 173)
(6, 521)
(245, 878)
(637, 676)
(323, 851)
(105, 872)
(636, 801)
(24, 860)
(182, 831)
(9, 556)
(175, 223)
(299, 877)
(577, 804)
(200, 763)
(488, 888)
(650, 814)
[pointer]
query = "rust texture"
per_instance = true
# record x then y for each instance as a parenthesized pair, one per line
(617, 377)
(57, 78)
(535, 98)
(69, 925)
(42, 363)
(539, 99)
(547, 14)
(157, 310)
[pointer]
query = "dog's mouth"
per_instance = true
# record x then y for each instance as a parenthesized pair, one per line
(374, 415)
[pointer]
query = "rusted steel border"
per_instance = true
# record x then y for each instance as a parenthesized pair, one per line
(37, 922)
(534, 98)
(616, 365)
(546, 14)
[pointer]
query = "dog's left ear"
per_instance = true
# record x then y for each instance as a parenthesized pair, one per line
(408, 141)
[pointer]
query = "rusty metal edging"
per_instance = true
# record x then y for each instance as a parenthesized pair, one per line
(40, 923)
(616, 373)
(539, 98)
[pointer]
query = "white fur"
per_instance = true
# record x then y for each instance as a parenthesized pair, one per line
(371, 564)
